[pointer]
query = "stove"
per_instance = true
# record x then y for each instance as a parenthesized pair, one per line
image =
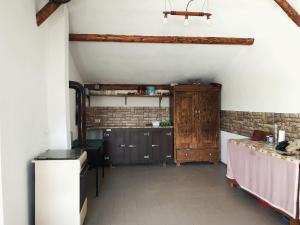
(61, 182)
(73, 154)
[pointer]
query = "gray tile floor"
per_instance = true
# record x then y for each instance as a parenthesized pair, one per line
(188, 195)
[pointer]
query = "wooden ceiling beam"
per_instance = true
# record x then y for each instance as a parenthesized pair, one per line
(161, 39)
(289, 10)
(46, 11)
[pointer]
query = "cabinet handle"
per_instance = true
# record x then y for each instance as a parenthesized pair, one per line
(169, 134)
(147, 134)
(154, 146)
(188, 149)
(146, 156)
(106, 158)
(122, 145)
(168, 156)
(132, 146)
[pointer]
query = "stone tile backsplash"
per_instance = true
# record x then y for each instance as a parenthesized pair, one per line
(238, 122)
(124, 116)
(244, 123)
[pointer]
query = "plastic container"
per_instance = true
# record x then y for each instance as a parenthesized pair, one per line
(150, 90)
(155, 124)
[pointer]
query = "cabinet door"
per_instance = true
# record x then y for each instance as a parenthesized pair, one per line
(144, 143)
(184, 119)
(207, 118)
(108, 145)
(167, 145)
(156, 145)
(131, 152)
(119, 147)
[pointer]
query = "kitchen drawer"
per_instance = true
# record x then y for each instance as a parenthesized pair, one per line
(193, 155)
(210, 155)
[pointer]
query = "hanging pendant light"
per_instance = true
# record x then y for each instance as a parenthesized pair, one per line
(205, 16)
(165, 21)
(186, 21)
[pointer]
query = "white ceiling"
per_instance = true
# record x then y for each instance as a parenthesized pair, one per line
(164, 63)
(295, 4)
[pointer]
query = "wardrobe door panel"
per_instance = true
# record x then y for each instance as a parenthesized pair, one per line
(208, 119)
(183, 119)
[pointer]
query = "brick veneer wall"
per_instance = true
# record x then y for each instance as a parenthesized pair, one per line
(244, 123)
(125, 116)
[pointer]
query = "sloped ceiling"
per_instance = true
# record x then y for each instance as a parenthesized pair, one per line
(295, 4)
(165, 63)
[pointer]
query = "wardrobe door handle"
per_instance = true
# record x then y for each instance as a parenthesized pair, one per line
(154, 146)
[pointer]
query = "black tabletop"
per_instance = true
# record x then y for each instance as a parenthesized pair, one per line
(60, 154)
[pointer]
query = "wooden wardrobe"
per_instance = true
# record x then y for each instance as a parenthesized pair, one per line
(197, 123)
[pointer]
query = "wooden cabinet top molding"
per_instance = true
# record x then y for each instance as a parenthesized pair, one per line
(197, 87)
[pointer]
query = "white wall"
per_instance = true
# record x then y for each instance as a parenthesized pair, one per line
(265, 77)
(1, 198)
(23, 107)
(74, 76)
(57, 72)
(23, 101)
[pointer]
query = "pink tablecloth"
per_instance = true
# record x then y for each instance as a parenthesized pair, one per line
(270, 178)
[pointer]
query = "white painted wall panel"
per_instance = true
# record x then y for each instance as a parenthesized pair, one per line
(1, 197)
(23, 102)
(57, 66)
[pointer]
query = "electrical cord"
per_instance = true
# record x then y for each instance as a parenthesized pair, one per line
(187, 6)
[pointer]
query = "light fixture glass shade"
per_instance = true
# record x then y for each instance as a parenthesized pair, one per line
(208, 20)
(165, 21)
(186, 21)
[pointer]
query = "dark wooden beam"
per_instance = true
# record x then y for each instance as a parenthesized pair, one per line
(46, 11)
(289, 10)
(161, 39)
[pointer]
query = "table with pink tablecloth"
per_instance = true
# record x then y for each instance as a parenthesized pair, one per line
(258, 169)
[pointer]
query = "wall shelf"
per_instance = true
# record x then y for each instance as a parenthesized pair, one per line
(126, 95)
(113, 90)
(132, 96)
